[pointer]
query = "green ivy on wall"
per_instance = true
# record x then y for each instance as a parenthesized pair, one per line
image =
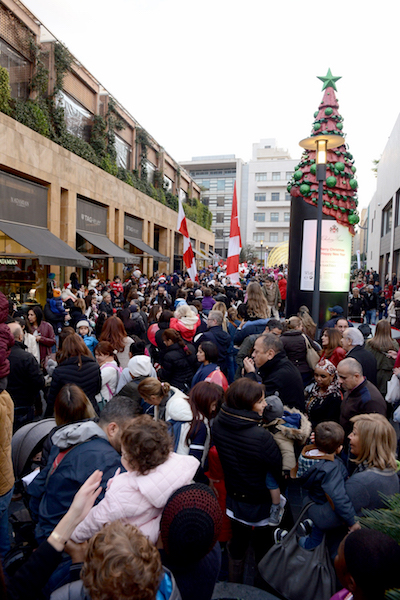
(46, 116)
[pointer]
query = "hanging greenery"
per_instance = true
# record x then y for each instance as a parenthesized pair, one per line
(5, 91)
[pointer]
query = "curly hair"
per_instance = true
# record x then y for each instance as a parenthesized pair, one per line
(121, 563)
(146, 443)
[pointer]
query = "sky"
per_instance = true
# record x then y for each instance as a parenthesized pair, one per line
(213, 77)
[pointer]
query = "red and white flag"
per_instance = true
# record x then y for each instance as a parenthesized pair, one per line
(188, 256)
(235, 244)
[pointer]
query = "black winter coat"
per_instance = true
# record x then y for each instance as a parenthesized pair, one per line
(247, 452)
(222, 340)
(367, 360)
(296, 349)
(87, 377)
(178, 368)
(280, 375)
(25, 379)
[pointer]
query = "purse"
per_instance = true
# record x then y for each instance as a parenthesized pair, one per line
(393, 390)
(312, 355)
(296, 573)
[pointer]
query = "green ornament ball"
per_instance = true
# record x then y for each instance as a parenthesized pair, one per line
(339, 126)
(317, 126)
(353, 184)
(335, 206)
(330, 194)
(328, 111)
(315, 114)
(340, 166)
(304, 189)
(331, 181)
(353, 219)
(289, 187)
(338, 196)
(353, 168)
(297, 175)
(313, 169)
(342, 209)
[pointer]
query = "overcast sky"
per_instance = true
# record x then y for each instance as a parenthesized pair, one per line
(212, 77)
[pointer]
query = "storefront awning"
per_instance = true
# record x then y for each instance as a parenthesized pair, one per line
(106, 245)
(145, 248)
(49, 249)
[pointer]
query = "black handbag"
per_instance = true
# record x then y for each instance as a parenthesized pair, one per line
(296, 573)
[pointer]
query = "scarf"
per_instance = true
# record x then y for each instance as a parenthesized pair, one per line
(317, 394)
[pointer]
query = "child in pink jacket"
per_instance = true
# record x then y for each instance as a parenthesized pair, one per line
(138, 496)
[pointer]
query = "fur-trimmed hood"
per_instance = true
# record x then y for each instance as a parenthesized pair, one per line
(300, 435)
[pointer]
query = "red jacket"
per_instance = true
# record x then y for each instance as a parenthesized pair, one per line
(338, 354)
(6, 338)
(282, 284)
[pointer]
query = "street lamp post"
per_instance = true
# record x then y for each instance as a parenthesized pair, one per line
(319, 143)
(261, 257)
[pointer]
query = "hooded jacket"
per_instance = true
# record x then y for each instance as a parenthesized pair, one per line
(53, 490)
(139, 499)
(179, 415)
(6, 338)
(178, 367)
(222, 340)
(187, 326)
(25, 379)
(286, 436)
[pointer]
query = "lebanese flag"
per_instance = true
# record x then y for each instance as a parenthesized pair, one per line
(188, 256)
(235, 244)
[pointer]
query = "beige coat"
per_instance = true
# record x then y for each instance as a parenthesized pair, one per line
(286, 437)
(6, 427)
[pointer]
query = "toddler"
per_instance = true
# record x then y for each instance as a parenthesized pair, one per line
(84, 330)
(138, 496)
(287, 427)
(323, 475)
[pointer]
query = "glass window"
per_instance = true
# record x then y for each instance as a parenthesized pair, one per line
(258, 236)
(261, 177)
(206, 201)
(287, 196)
(168, 184)
(123, 151)
(275, 196)
(274, 216)
(285, 236)
(289, 175)
(78, 120)
(205, 183)
(276, 176)
(150, 174)
(260, 197)
(219, 233)
(286, 216)
(18, 68)
(273, 236)
(220, 217)
(220, 201)
(221, 184)
(260, 217)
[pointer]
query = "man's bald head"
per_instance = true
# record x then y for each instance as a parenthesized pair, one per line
(16, 331)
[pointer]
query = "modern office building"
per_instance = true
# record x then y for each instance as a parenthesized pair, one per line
(216, 175)
(268, 201)
(71, 200)
(383, 220)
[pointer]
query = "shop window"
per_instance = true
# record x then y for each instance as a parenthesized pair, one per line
(78, 120)
(18, 68)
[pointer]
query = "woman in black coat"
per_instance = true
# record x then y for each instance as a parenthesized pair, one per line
(75, 365)
(294, 341)
(179, 362)
(248, 452)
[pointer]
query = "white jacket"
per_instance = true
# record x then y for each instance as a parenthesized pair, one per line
(109, 381)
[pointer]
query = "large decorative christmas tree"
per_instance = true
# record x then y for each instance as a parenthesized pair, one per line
(340, 186)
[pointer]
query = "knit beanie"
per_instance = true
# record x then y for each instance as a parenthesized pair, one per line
(139, 366)
(274, 408)
(191, 523)
(82, 323)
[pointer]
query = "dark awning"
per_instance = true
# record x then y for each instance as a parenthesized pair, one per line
(145, 248)
(106, 245)
(49, 249)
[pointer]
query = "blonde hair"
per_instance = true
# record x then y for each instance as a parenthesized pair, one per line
(377, 439)
(152, 387)
(294, 322)
(256, 304)
(80, 303)
(221, 306)
(184, 310)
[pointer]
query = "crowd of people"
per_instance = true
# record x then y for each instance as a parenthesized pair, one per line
(178, 416)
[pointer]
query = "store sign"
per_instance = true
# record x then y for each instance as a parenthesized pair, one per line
(9, 261)
(133, 228)
(91, 217)
(22, 201)
(335, 257)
